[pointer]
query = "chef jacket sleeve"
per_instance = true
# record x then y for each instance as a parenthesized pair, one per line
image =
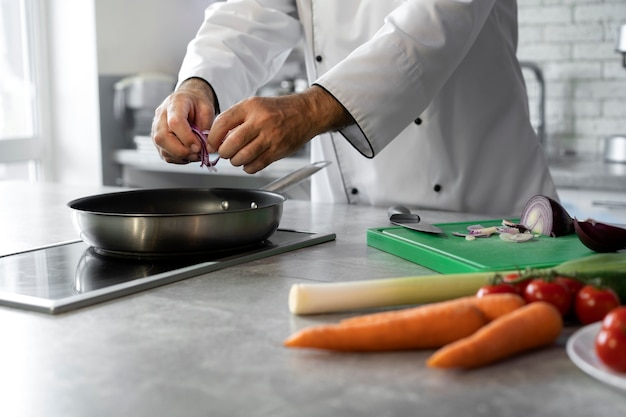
(421, 43)
(241, 45)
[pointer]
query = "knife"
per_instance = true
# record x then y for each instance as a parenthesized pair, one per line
(402, 216)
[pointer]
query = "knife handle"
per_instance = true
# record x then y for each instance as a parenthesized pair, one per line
(397, 210)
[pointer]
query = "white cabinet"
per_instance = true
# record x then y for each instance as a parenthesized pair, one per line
(604, 206)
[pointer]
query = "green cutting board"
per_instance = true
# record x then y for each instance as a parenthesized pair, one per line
(449, 254)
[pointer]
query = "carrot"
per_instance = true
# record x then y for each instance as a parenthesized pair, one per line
(535, 325)
(492, 306)
(427, 327)
(499, 305)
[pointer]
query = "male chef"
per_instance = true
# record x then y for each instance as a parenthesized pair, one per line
(415, 102)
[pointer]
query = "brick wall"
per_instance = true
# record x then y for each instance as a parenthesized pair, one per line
(573, 42)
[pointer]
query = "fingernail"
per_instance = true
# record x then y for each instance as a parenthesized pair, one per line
(195, 148)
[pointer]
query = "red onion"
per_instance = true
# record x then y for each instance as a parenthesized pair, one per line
(545, 216)
(600, 237)
(204, 152)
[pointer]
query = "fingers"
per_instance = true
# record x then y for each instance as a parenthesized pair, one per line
(243, 144)
(171, 131)
(259, 163)
(237, 135)
(258, 131)
(224, 137)
(168, 144)
(246, 146)
(253, 133)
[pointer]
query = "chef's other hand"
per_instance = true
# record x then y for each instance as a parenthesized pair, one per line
(260, 130)
(193, 102)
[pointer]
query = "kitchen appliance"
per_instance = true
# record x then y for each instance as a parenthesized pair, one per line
(157, 222)
(450, 254)
(72, 275)
(615, 149)
(615, 146)
(136, 97)
(620, 44)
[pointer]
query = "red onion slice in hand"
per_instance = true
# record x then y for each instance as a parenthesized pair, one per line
(204, 152)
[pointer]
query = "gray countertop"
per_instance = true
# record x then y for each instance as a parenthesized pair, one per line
(591, 174)
(211, 345)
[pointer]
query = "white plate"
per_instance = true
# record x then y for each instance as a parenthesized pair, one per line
(581, 350)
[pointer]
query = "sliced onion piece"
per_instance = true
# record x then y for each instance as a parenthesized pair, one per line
(516, 237)
(545, 216)
(520, 227)
(600, 237)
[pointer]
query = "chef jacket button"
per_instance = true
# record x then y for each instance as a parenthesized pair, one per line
(354, 191)
(437, 188)
(418, 121)
(318, 58)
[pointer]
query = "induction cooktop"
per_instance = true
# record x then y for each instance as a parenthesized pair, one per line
(71, 275)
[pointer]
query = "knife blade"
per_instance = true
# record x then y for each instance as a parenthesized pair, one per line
(401, 216)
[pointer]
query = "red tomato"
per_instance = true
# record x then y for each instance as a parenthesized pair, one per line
(615, 320)
(611, 349)
(610, 343)
(520, 287)
(550, 292)
(593, 303)
(495, 289)
(573, 285)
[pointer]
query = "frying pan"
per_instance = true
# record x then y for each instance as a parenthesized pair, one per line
(170, 221)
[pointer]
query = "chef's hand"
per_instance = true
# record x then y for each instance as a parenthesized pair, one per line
(193, 102)
(260, 130)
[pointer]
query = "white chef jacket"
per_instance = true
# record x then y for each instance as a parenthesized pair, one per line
(434, 86)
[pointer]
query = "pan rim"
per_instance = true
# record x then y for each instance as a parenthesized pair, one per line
(74, 204)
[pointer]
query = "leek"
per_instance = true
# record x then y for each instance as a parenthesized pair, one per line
(314, 298)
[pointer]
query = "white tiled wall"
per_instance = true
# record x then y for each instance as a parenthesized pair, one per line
(573, 41)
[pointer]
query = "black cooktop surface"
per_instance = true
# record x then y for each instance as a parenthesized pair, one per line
(71, 275)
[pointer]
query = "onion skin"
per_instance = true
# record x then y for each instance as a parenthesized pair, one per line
(600, 237)
(555, 221)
